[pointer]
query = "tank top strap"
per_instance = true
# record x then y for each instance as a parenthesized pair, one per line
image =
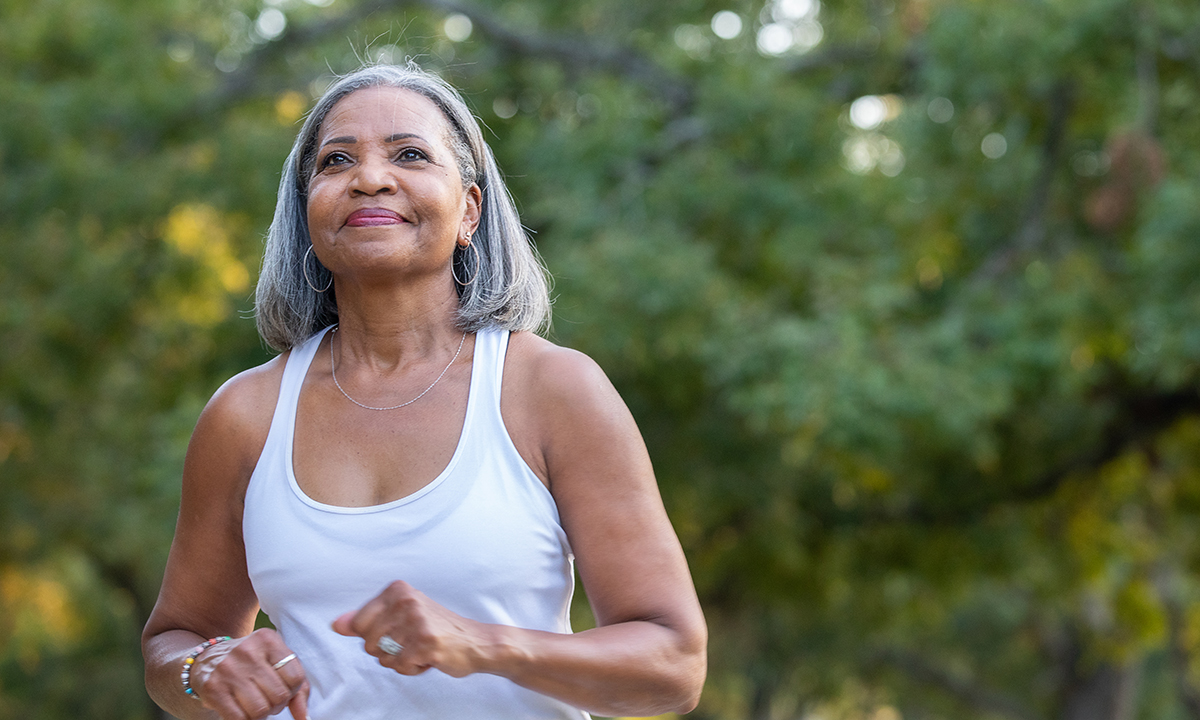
(487, 427)
(294, 372)
(491, 346)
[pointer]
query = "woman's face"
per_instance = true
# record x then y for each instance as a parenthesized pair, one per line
(386, 199)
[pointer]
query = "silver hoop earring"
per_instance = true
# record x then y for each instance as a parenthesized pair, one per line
(304, 269)
(474, 274)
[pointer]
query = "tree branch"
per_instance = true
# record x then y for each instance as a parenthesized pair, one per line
(579, 53)
(576, 52)
(244, 82)
(1139, 417)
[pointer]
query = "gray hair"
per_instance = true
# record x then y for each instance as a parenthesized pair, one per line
(510, 285)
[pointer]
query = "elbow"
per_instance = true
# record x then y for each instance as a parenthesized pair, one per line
(692, 669)
(674, 690)
(670, 684)
(690, 692)
(689, 699)
(679, 693)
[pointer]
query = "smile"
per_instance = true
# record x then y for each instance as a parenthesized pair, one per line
(368, 217)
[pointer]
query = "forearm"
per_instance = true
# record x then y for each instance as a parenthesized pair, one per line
(164, 654)
(633, 668)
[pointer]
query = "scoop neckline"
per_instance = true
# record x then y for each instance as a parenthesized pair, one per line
(400, 501)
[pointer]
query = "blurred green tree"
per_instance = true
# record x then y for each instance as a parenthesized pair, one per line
(903, 294)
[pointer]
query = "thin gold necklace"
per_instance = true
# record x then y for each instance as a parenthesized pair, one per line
(333, 371)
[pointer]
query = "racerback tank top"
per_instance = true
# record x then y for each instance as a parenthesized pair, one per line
(483, 539)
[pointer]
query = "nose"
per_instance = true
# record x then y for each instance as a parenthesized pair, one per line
(373, 176)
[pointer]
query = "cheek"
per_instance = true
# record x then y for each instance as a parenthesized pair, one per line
(311, 216)
(318, 206)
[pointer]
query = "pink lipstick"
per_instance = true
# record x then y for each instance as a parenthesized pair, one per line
(368, 217)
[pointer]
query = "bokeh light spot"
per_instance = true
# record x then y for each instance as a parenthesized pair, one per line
(504, 107)
(457, 27)
(181, 50)
(793, 10)
(940, 110)
(864, 152)
(727, 25)
(774, 39)
(868, 112)
(807, 35)
(270, 23)
(228, 60)
(692, 40)
(994, 146)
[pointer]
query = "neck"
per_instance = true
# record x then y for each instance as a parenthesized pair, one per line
(393, 326)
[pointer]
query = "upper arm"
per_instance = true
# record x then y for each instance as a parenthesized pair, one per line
(578, 430)
(206, 588)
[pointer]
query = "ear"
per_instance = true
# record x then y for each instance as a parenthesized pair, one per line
(471, 213)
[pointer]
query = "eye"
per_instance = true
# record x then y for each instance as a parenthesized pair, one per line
(410, 154)
(333, 159)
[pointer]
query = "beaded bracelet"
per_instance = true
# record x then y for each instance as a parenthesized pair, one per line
(186, 675)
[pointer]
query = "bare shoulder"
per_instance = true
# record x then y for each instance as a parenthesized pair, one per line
(235, 422)
(560, 407)
(247, 395)
(562, 390)
(550, 374)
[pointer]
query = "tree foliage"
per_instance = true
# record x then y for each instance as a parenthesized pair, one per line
(903, 294)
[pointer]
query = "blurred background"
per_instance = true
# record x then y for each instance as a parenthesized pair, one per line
(904, 295)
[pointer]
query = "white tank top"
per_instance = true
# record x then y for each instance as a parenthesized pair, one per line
(483, 539)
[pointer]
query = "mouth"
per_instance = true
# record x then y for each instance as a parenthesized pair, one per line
(368, 217)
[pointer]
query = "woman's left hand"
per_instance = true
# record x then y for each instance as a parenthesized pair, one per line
(430, 636)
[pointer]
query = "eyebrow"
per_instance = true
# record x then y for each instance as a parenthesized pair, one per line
(351, 140)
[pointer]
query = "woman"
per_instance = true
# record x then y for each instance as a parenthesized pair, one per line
(405, 489)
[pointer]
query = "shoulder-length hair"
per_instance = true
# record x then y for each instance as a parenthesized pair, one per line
(510, 285)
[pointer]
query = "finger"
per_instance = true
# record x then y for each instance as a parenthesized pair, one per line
(299, 703)
(218, 695)
(362, 622)
(343, 625)
(414, 659)
(224, 705)
(409, 665)
(253, 703)
(388, 660)
(292, 674)
(403, 666)
(274, 690)
(359, 622)
(356, 622)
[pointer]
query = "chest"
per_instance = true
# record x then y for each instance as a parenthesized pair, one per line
(349, 456)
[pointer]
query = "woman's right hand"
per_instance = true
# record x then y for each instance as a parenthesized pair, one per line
(237, 678)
